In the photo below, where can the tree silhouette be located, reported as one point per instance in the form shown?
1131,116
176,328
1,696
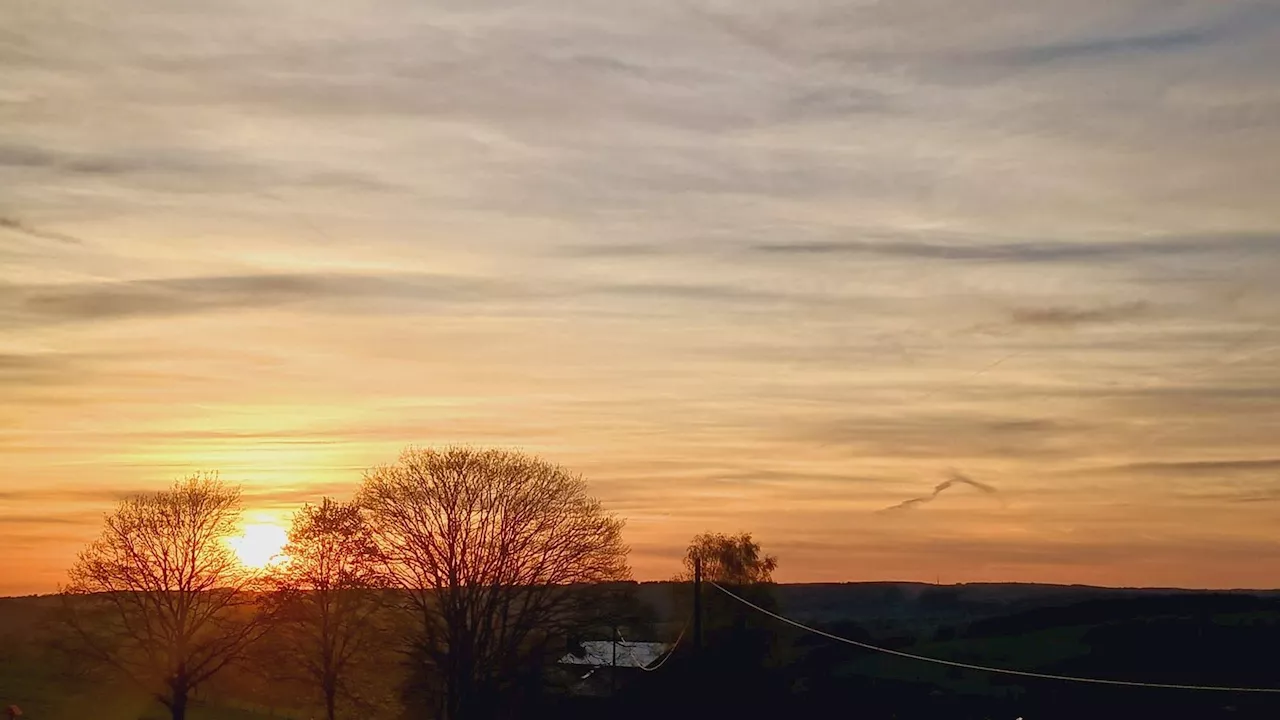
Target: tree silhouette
488,546
160,596
741,645
729,559
327,597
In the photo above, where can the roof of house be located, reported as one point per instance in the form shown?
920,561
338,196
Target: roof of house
599,653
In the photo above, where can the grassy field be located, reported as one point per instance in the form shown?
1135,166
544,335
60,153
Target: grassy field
35,677
1193,638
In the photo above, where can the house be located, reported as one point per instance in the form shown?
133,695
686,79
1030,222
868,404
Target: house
597,667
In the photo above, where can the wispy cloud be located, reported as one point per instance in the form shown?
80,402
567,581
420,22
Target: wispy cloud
1202,467
64,494
972,250
33,369
171,168
1072,316
18,226
96,301
1232,23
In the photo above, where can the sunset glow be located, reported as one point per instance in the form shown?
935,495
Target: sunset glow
260,545
921,290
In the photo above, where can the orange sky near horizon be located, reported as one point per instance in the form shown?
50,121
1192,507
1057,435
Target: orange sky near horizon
772,267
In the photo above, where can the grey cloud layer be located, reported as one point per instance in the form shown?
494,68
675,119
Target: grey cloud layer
529,74
180,296
1262,246
115,300
23,228
1070,316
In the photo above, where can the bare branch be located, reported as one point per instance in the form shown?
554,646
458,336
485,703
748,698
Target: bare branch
160,596
491,548
327,594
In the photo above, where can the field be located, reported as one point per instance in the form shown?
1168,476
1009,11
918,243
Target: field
48,686
1146,636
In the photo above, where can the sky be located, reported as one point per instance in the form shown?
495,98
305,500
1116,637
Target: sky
786,267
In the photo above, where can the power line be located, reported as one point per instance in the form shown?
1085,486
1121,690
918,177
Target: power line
670,652
984,668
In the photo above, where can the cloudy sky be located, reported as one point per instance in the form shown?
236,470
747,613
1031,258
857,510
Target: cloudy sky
774,266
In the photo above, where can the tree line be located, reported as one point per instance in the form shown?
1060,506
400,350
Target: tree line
471,568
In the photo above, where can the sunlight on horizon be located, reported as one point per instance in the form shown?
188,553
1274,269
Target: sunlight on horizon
260,545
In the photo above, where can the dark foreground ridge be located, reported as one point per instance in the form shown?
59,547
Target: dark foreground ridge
751,665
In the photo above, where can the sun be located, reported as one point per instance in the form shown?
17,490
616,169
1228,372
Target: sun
260,545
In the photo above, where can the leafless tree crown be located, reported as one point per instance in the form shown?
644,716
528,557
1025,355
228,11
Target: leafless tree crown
490,545
160,595
327,597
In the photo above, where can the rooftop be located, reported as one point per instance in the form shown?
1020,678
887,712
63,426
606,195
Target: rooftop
599,653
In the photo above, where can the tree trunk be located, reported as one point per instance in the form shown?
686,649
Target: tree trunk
453,695
178,705
330,702
458,685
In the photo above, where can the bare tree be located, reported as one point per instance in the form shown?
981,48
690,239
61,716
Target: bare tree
488,546
328,597
160,596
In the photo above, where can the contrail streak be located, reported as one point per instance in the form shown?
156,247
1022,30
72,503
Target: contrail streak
954,478
984,370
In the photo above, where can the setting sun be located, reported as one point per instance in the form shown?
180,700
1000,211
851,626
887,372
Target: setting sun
260,545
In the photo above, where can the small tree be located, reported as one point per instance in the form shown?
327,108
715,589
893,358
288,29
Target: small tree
488,546
740,642
730,559
160,596
327,597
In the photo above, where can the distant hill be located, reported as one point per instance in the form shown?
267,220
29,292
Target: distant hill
915,602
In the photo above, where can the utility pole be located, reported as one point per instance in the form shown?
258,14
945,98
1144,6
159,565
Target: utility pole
697,606
613,672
